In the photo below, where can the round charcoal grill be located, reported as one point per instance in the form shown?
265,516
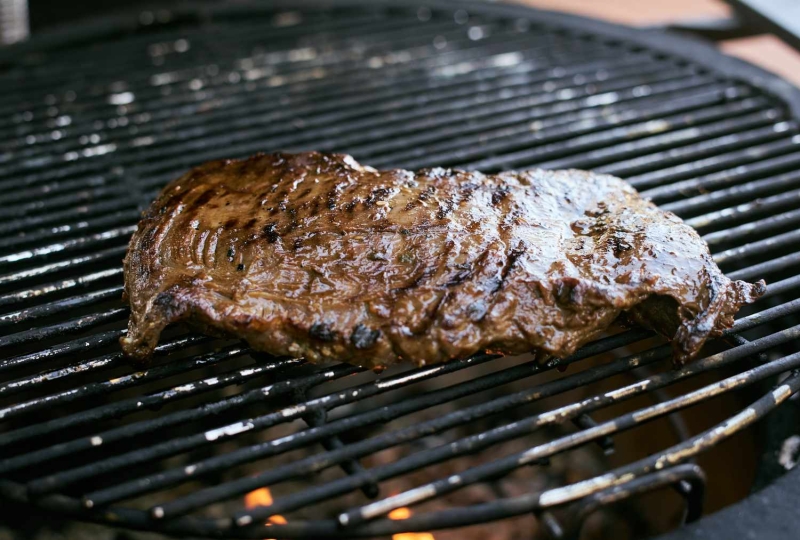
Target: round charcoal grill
96,120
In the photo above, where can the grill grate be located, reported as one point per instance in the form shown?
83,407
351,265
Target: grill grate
91,130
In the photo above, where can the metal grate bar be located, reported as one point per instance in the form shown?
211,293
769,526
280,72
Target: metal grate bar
131,405
71,199
708,139
69,245
754,228
95,341
732,215
640,164
63,66
125,381
505,465
555,497
240,143
374,38
220,434
775,265
334,428
243,485
59,266
229,98
487,56
101,363
60,217
78,282
569,118
697,168
782,287
142,79
732,194
59,306
757,248
70,230
543,156
70,326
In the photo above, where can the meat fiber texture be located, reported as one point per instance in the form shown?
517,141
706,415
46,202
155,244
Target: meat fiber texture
314,255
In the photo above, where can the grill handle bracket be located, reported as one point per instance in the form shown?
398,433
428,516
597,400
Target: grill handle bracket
687,479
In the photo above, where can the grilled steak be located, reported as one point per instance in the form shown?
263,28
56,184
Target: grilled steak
315,255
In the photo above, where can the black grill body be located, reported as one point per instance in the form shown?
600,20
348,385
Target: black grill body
96,120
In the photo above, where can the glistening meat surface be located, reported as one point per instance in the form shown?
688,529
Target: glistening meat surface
315,255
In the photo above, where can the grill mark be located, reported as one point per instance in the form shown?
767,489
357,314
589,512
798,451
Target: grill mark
419,280
203,199
511,260
478,310
446,207
426,194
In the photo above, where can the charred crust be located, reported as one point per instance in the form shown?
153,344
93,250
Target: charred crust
445,208
364,337
459,278
427,193
330,200
322,332
168,304
203,199
620,245
513,257
568,291
498,195
270,233
377,194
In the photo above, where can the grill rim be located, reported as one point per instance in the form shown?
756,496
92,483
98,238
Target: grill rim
689,48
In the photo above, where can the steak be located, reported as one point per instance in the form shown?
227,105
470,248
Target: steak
314,255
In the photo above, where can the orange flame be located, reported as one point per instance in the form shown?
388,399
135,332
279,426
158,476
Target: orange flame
263,497
405,513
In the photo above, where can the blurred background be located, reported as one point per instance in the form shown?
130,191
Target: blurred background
759,45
